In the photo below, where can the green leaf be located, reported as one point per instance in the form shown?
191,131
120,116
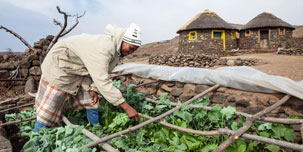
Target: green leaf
148,107
216,108
184,115
185,107
139,137
289,135
242,148
68,130
273,148
228,112
209,148
264,134
293,117
252,145
234,125
265,126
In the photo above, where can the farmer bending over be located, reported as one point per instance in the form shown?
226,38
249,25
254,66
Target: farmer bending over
77,67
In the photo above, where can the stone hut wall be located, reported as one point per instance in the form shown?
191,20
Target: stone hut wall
275,40
205,44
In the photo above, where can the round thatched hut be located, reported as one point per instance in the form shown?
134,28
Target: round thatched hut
266,31
207,33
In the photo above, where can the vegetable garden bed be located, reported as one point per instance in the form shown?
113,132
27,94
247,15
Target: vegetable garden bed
187,127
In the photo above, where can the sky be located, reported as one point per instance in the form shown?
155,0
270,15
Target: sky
158,19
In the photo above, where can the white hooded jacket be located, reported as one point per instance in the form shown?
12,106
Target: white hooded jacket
85,60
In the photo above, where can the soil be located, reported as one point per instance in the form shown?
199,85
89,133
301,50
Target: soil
280,65
271,63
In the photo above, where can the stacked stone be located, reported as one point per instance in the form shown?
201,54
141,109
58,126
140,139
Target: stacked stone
26,64
239,62
182,60
291,51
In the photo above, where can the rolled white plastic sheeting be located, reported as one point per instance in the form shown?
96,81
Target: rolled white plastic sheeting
238,77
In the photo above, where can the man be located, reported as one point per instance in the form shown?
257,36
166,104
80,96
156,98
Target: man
77,67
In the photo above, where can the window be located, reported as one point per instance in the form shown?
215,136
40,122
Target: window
233,34
247,33
281,31
192,35
217,35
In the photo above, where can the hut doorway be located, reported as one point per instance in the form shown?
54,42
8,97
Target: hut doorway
264,38
219,34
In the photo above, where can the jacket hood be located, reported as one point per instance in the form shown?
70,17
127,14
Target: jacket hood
116,34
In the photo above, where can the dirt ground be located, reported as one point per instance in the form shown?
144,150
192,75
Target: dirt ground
280,65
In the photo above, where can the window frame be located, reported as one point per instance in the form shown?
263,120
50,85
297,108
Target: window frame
233,34
247,34
283,32
190,35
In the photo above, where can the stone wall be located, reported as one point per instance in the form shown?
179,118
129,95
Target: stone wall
22,66
275,40
298,43
205,44
291,51
185,60
201,61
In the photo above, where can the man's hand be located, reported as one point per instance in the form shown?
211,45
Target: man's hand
94,96
130,111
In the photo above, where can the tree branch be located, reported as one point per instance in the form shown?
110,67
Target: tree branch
77,22
17,121
267,119
149,121
230,132
18,36
62,32
248,124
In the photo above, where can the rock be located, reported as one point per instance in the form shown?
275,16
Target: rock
238,62
4,74
262,101
35,70
170,84
230,99
166,88
253,110
230,62
176,92
222,61
221,89
7,66
179,85
50,37
24,63
189,88
218,98
243,103
201,88
35,63
186,96
30,86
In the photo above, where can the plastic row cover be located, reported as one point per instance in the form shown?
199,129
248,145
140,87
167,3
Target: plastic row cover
240,77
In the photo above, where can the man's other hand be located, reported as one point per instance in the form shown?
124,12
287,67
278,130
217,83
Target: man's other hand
94,96
130,111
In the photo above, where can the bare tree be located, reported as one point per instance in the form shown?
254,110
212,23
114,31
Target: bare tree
62,32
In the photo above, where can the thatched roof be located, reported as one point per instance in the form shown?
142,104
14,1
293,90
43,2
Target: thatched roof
266,20
206,20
